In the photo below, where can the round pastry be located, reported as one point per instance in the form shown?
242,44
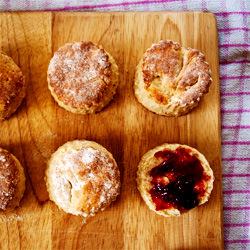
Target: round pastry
12,181
174,178
82,77
170,80
12,86
82,178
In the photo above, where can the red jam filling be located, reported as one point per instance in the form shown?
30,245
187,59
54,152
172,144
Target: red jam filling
178,181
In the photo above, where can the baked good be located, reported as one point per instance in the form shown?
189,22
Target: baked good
170,80
82,178
174,178
12,181
12,86
82,77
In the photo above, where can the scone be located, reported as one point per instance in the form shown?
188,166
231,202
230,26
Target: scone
170,80
82,77
174,178
12,86
12,181
82,178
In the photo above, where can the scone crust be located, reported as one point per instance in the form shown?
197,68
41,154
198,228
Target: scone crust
82,178
148,161
82,77
12,181
170,80
12,86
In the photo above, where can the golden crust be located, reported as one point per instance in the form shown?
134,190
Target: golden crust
149,161
82,178
82,77
12,86
12,181
170,80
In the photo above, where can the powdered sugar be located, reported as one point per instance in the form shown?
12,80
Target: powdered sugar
8,178
2,158
88,155
78,73
107,185
64,192
83,174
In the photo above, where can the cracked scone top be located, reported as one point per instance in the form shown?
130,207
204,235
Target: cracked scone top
170,80
82,77
12,86
82,178
12,181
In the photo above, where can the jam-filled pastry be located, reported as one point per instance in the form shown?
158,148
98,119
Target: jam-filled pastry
12,181
82,77
170,80
12,86
82,178
174,178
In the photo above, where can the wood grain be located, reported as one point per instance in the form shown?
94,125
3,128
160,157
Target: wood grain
125,128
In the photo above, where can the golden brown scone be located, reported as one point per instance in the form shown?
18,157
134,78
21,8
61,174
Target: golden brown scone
174,178
170,80
12,181
82,77
82,178
12,86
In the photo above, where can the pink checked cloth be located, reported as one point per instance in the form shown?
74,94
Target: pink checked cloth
233,18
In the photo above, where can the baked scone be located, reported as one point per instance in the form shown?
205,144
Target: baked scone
82,178
12,86
170,80
174,178
12,181
82,77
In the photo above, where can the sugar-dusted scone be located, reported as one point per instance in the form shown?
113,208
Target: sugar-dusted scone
12,86
82,178
173,179
12,181
170,80
82,77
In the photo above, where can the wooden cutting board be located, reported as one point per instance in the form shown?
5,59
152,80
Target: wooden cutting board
125,128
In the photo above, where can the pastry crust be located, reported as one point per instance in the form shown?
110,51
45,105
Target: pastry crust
149,161
170,80
12,181
82,77
82,178
12,86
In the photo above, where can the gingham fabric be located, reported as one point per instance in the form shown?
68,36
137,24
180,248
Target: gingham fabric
233,18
